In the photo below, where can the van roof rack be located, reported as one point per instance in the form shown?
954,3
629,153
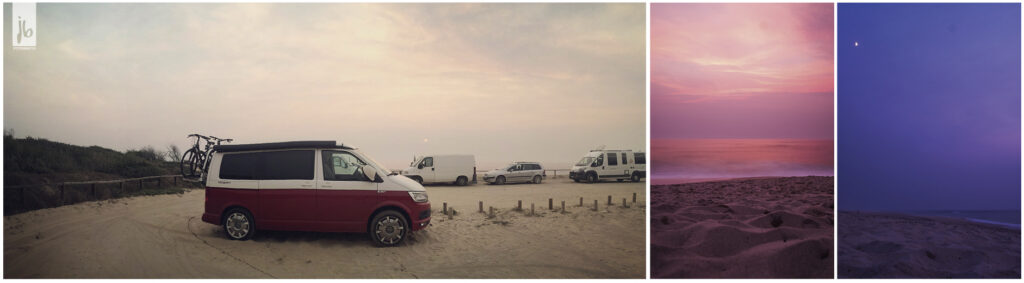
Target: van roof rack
278,145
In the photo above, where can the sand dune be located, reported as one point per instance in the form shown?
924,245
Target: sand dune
887,245
746,228
162,237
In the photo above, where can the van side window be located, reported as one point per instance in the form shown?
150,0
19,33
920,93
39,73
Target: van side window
238,166
612,160
639,158
288,165
624,160
428,162
342,166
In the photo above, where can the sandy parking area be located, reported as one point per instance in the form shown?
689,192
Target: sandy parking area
163,237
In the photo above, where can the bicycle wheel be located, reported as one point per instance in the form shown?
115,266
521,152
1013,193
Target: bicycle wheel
189,163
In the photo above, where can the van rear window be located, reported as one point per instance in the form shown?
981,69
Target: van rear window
238,166
639,158
288,165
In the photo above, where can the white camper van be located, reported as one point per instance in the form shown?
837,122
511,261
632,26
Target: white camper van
459,169
603,164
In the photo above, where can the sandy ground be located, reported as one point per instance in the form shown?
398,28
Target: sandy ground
163,237
743,228
886,245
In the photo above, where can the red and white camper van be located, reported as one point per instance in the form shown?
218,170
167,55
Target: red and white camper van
310,186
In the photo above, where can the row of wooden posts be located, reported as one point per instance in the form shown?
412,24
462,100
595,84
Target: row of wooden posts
519,206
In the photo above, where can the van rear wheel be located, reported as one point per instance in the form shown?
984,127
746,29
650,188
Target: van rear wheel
238,224
462,181
388,228
536,179
635,178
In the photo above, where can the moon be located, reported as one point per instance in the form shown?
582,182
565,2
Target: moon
426,140
855,44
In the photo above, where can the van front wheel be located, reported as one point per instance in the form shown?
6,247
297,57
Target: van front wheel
238,224
500,180
461,181
592,178
388,228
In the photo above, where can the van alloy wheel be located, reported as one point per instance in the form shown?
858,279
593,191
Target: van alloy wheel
390,230
237,225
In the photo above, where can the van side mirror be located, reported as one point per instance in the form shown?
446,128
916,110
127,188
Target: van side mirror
594,164
371,173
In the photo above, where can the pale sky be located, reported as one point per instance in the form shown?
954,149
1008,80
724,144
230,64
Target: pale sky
528,82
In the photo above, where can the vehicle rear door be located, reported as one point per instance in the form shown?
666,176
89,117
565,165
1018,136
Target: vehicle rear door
344,197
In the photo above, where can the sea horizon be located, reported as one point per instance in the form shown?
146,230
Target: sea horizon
690,160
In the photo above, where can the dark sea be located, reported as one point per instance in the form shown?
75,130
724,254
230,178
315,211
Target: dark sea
687,159
1008,218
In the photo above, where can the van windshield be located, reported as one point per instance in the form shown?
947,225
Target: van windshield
585,161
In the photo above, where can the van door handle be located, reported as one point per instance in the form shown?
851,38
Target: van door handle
306,186
223,182
431,169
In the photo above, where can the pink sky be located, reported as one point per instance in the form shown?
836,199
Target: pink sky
741,70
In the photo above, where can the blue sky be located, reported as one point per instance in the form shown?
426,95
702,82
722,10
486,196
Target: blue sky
929,106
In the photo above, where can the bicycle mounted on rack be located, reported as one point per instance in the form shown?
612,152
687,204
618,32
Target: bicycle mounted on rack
195,161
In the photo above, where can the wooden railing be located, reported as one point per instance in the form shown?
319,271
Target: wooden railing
22,198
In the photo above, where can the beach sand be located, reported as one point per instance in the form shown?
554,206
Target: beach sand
744,228
163,237
889,245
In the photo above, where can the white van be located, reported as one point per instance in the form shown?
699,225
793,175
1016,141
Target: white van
459,169
603,164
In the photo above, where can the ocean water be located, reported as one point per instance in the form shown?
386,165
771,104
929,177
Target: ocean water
1008,218
683,159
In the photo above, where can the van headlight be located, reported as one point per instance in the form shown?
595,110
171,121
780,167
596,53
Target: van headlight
418,196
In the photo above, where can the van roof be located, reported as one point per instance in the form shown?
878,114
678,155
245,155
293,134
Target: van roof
278,145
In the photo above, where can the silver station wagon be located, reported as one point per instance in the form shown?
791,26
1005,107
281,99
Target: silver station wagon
518,172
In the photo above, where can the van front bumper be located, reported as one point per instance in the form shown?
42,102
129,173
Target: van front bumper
420,215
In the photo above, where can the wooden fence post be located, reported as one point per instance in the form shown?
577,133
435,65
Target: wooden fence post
140,186
624,203
531,209
93,189
595,205
121,188
491,208
444,208
61,186
481,207
175,181
609,200
563,206
159,182
550,205
519,205
634,197
581,201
